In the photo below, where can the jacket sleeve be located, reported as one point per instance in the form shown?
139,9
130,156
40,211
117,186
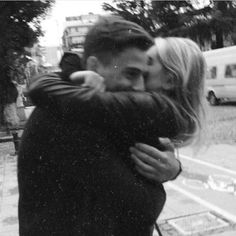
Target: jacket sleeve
135,112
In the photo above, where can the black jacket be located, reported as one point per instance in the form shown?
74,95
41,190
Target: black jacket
74,171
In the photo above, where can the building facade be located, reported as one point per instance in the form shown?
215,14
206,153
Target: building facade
76,28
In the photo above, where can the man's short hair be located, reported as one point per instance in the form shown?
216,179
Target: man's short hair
70,62
112,34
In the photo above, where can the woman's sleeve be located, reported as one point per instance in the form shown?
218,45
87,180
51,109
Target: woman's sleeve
134,112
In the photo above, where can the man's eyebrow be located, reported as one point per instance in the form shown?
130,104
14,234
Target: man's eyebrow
138,71
133,69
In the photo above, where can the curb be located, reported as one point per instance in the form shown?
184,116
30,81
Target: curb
6,139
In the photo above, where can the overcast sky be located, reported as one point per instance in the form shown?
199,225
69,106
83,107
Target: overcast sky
54,23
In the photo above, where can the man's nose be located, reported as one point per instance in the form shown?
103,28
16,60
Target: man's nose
139,84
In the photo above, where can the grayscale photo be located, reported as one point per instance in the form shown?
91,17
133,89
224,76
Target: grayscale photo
118,118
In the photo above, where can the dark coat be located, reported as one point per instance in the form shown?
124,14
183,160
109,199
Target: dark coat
74,171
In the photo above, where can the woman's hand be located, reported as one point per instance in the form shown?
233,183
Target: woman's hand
88,79
154,164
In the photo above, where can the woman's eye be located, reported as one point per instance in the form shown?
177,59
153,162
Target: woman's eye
150,61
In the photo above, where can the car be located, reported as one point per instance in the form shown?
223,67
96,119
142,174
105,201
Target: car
221,75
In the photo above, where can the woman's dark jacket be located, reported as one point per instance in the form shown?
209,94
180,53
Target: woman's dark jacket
74,170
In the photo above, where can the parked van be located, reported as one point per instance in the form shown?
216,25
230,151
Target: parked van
221,76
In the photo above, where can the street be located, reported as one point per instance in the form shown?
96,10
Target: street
207,184
202,200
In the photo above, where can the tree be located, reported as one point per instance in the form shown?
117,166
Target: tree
136,11
20,28
202,23
223,21
157,17
183,19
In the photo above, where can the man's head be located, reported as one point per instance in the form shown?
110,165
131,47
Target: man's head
70,62
115,48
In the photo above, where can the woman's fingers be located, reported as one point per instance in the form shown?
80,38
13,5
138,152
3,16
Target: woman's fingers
144,166
167,144
153,153
155,164
148,175
144,156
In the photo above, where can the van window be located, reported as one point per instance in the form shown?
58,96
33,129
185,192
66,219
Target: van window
230,71
212,72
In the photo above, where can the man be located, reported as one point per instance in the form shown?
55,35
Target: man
62,163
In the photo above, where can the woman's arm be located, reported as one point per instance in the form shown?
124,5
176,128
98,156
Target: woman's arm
138,113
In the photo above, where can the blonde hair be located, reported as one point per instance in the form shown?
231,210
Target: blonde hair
185,66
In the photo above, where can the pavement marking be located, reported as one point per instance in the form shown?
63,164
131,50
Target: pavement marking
211,206
208,164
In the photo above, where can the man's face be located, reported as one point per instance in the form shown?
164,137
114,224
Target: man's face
126,71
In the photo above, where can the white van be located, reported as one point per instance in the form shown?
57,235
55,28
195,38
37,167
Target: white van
221,76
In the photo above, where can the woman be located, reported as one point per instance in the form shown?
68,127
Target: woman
171,107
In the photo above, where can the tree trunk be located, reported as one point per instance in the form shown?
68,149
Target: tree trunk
8,97
11,117
2,123
219,39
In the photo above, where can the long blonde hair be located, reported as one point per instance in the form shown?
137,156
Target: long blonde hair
185,65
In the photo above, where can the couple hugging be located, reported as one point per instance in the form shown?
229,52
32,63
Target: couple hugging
91,161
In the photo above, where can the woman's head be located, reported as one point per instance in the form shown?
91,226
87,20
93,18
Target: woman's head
177,66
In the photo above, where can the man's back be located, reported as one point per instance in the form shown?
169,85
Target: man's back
52,176
73,181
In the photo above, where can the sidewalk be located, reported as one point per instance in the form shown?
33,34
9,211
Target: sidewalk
181,215
184,216
8,191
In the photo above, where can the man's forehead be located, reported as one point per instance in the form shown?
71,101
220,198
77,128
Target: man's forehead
132,58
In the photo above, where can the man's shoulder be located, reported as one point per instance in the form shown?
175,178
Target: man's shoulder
39,119
44,120
46,75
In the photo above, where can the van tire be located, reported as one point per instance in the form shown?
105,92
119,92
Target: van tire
213,100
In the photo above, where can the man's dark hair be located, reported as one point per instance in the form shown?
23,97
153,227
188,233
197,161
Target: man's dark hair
110,35
70,62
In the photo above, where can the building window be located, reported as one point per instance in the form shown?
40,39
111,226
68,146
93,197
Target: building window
72,29
83,30
230,71
77,40
212,72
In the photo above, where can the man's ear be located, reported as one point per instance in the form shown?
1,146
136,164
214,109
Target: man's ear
92,63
